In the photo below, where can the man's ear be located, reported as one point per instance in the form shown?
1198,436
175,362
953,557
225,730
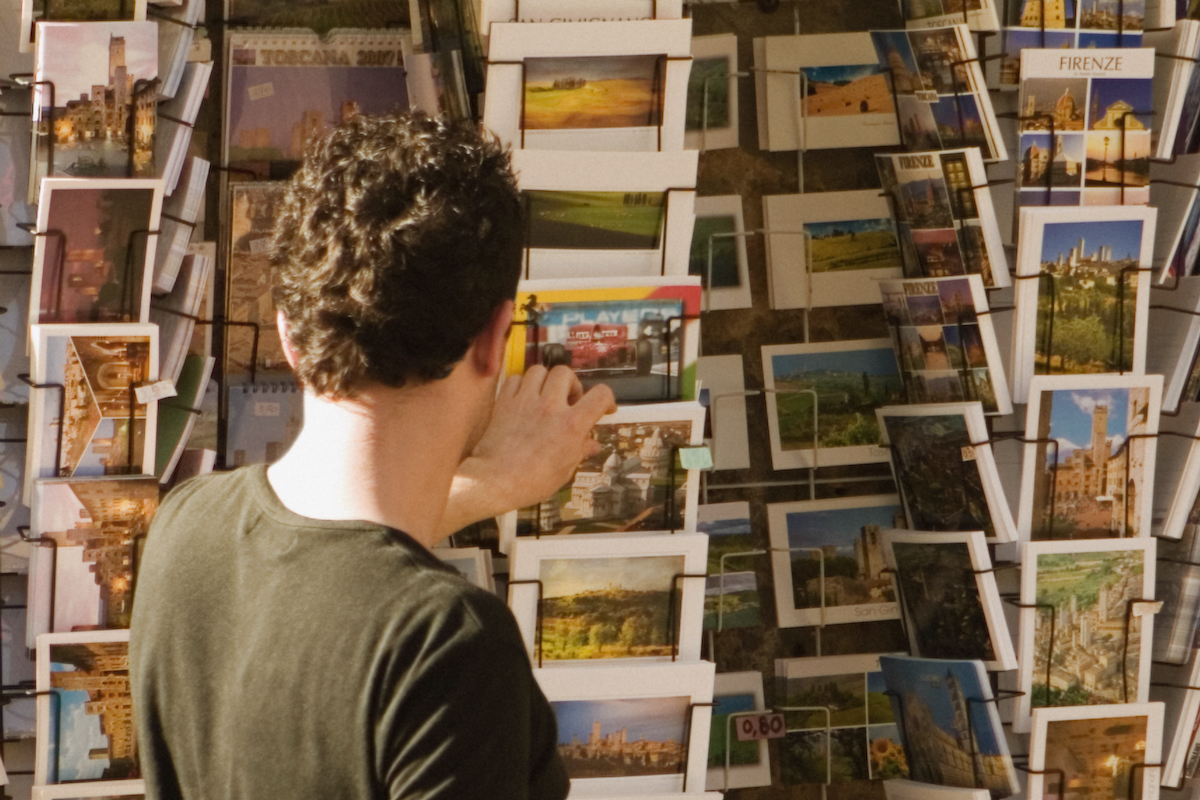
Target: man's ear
281,325
487,351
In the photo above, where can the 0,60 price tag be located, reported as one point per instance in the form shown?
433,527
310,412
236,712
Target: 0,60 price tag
764,726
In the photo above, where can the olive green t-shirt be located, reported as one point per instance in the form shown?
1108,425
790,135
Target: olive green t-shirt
276,656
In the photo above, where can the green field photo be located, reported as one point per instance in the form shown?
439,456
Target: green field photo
711,75
595,220
853,244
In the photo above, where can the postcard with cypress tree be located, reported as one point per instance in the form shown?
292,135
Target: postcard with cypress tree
945,343
948,596
827,560
733,763
1086,624
943,464
1097,747
731,596
1083,292
821,401
950,728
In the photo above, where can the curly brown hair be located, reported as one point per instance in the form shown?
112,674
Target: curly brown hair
398,238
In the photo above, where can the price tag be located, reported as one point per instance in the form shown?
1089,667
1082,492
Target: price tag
265,409
260,246
764,726
695,458
154,391
1145,608
968,453
261,91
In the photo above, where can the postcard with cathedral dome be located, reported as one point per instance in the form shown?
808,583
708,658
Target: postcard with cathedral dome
1085,121
950,728
1099,749
635,484
600,600
1090,457
1086,624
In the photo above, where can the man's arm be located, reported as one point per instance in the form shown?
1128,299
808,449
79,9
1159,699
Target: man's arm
541,428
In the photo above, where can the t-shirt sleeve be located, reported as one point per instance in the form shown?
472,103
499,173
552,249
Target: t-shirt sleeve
467,720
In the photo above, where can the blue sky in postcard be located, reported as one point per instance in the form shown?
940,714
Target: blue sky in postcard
838,527
656,719
1071,417
1123,235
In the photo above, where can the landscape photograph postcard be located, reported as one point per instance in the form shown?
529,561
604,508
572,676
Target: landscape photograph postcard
951,736
571,220
830,554
622,738
593,92
94,267
105,87
710,120
1096,752
844,90
320,17
731,597
1092,466
853,244
733,763
823,399
250,275
714,242
723,741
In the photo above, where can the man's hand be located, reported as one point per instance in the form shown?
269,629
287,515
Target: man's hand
540,430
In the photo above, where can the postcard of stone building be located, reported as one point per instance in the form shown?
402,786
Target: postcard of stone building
632,730
601,599
133,789
84,707
1090,456
978,15
944,214
641,337
828,248
1086,624
712,99
945,343
827,560
731,593
733,763
950,728
1181,707
1085,120
88,420
821,92
636,483
941,100
904,789
718,253
473,563
93,261
34,12
948,595
593,215
1096,750
83,567
284,87
821,401
95,116
845,729
249,276
722,382
1083,305
611,86
264,419
943,463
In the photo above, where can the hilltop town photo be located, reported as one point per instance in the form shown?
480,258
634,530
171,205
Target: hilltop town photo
621,738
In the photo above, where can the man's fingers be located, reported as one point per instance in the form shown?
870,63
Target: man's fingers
595,404
562,382
532,381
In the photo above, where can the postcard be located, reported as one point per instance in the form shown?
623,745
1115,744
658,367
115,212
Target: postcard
175,331
949,597
20,714
1097,749
852,736
177,417
945,217
1082,607
253,207
629,730
178,223
596,215
1089,464
286,14
635,483
639,337
604,599
951,732
943,464
830,554
1083,287
94,424
264,419
14,178
902,789
821,92
34,12
93,262
96,523
828,248
732,763
102,790
711,122
731,595
282,87
722,381
821,401
1176,85
575,10
473,563
1085,127
1178,586
718,254
176,35
589,85
14,334
978,15
175,128
941,99
14,512
945,343
1181,707
100,112
1177,234
95,740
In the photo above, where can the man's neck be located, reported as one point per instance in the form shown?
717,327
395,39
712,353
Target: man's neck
388,456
